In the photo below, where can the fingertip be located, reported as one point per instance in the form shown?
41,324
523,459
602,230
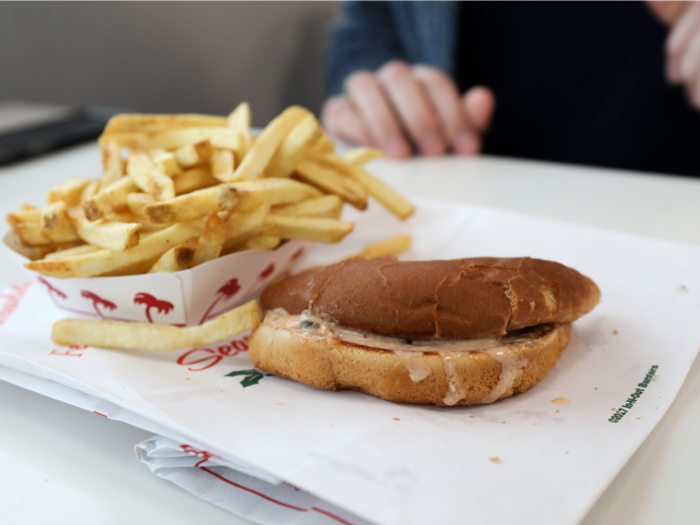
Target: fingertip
396,147
466,143
480,103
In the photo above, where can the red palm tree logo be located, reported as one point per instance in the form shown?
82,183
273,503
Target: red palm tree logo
227,291
297,254
267,271
97,301
152,302
52,290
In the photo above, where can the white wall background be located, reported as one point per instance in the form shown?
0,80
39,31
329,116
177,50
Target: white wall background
166,57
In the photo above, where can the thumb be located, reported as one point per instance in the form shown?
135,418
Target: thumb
667,12
479,102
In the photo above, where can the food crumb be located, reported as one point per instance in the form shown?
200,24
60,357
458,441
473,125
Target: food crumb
596,388
495,459
534,424
188,378
279,403
222,391
566,452
612,409
682,288
653,378
396,419
471,416
639,418
557,411
502,421
615,331
561,401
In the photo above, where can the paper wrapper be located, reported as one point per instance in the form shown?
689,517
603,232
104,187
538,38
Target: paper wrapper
189,297
524,459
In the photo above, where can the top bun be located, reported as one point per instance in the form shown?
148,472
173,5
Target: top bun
458,299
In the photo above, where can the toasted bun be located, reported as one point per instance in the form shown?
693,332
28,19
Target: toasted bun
463,379
458,299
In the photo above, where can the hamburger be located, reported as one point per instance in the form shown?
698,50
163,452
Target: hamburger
455,332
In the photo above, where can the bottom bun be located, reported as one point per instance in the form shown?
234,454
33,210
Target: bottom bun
443,379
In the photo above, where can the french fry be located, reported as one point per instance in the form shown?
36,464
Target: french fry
258,242
137,201
132,218
181,257
165,161
56,224
32,253
32,234
222,164
110,235
113,164
387,196
89,192
113,197
193,180
307,229
275,192
294,147
239,120
256,160
17,217
211,241
72,252
193,205
220,137
323,145
391,246
151,124
147,336
360,156
192,155
328,206
27,207
241,226
69,191
149,178
107,262
331,182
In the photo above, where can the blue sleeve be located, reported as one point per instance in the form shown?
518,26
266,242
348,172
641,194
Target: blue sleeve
364,37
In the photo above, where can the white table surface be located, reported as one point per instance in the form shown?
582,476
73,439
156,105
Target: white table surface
60,464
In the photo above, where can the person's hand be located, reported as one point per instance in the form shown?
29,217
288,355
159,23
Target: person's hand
401,107
682,45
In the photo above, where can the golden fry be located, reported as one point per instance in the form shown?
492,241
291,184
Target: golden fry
181,257
151,124
193,205
239,120
103,262
192,155
328,206
69,191
56,224
148,336
137,201
222,164
165,161
211,241
307,229
275,192
387,196
72,252
360,156
294,147
113,197
331,181
113,164
193,180
17,217
387,247
110,235
150,179
241,226
256,160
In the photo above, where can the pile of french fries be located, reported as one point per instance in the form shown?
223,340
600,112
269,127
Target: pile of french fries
177,191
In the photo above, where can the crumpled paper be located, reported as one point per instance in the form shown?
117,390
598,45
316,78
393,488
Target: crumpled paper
544,456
